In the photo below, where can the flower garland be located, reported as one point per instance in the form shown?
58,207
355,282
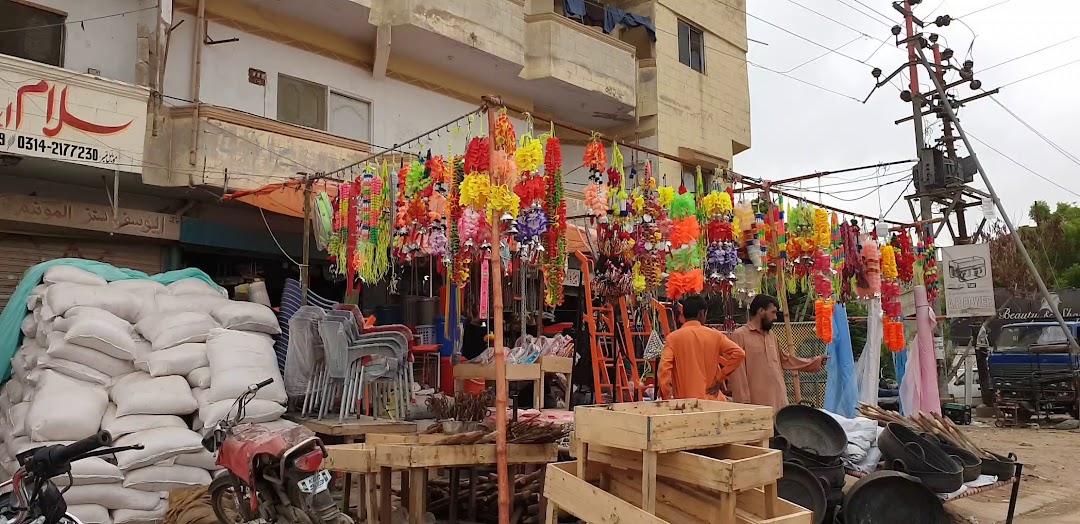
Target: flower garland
338,248
893,325
721,252
852,269
372,250
437,243
928,256
505,139
650,248
871,260
685,275
554,256
615,265
905,256
802,244
474,196
596,193
823,316
459,270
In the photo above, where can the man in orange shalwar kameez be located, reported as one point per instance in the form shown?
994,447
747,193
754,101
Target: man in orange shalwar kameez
696,359
760,380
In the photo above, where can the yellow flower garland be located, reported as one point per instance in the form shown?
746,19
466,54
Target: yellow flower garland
475,189
822,231
888,262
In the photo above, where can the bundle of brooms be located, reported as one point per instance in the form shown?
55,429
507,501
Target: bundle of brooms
932,423
520,432
526,492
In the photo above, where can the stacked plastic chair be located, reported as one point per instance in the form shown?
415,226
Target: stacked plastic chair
290,304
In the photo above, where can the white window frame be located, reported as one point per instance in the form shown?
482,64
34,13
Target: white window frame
327,92
691,28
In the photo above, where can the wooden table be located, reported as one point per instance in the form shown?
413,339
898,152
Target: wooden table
350,430
534,373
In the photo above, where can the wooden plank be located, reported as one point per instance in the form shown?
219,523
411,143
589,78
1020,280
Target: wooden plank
385,503
352,458
709,469
354,427
567,492
421,456
418,496
557,364
402,438
672,425
487,372
648,482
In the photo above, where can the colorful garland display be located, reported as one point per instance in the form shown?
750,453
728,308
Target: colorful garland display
615,238
685,275
554,256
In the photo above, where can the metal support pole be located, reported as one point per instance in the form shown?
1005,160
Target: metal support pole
305,273
1073,347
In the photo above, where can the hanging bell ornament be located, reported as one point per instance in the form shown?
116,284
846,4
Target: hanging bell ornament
506,217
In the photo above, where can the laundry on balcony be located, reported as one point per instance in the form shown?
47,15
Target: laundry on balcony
614,16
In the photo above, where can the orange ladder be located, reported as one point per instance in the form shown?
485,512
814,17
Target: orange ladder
603,346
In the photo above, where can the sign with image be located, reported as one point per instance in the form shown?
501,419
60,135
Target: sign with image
49,112
969,281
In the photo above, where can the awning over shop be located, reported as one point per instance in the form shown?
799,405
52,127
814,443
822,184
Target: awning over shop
576,240
285,198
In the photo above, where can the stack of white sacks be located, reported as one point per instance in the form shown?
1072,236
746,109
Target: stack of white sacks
150,364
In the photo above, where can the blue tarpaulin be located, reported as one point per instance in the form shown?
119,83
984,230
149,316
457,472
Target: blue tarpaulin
841,389
15,310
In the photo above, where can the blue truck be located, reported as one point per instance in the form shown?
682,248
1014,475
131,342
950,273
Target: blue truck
1031,365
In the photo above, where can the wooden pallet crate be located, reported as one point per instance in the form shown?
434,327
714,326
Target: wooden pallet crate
356,459
676,502
730,468
652,428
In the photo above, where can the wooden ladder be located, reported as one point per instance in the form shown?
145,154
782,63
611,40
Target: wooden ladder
607,359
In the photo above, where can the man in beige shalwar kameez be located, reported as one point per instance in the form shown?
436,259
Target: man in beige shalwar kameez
760,378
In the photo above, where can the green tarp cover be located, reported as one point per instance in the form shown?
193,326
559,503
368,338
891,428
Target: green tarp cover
15,310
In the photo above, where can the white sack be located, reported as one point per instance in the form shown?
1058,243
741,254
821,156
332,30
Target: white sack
166,478
65,409
139,286
16,393
17,418
134,516
90,513
177,360
256,411
83,312
127,424
139,394
247,316
165,330
195,286
173,304
57,274
80,372
29,326
33,300
201,459
238,360
17,445
158,444
107,338
59,298
92,470
200,377
113,367
112,496
26,358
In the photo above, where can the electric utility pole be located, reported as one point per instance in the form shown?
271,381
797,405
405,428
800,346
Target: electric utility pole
942,176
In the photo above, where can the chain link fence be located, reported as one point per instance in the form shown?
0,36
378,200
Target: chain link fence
807,345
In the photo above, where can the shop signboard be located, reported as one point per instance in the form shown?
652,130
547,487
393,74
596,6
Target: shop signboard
57,114
90,217
969,281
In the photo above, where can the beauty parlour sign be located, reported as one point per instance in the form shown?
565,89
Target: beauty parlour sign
57,114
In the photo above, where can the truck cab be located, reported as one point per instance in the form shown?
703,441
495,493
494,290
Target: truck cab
1031,365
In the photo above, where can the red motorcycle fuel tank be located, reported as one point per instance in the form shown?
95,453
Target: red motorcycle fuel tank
248,441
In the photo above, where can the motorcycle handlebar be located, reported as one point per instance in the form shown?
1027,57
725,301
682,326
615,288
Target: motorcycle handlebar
264,383
57,456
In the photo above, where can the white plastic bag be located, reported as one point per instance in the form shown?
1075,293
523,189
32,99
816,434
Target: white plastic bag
102,336
247,316
57,274
200,377
166,478
158,444
256,411
65,409
165,330
113,367
238,360
140,394
194,286
128,424
113,496
177,360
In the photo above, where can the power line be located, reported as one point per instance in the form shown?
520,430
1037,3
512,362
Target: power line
983,9
1067,40
888,22
70,22
833,20
792,33
1031,128
823,55
1024,167
898,197
1029,77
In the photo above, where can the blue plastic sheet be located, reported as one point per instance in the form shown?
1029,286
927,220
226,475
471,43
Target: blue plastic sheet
15,310
899,359
841,388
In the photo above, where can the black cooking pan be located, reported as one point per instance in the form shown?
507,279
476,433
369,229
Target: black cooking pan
890,497
810,432
800,486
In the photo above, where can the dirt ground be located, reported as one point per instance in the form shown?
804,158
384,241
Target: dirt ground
1050,481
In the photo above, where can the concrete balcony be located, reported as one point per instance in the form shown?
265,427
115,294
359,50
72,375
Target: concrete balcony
237,150
646,88
50,116
490,26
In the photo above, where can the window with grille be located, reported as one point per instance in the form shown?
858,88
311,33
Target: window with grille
691,46
31,32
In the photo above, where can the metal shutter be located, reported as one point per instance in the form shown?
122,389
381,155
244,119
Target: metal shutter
19,252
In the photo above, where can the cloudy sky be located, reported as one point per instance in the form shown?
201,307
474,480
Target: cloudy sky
798,128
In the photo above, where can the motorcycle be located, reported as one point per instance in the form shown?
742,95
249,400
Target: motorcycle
34,498
273,476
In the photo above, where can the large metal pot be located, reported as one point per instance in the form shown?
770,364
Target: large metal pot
809,432
911,453
1001,467
889,497
800,486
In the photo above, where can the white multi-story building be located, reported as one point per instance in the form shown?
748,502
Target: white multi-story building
122,122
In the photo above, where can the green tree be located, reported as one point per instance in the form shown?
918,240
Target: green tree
1053,243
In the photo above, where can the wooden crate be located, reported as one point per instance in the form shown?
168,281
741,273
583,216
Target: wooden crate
514,373
676,503
557,364
407,456
672,425
356,459
730,468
